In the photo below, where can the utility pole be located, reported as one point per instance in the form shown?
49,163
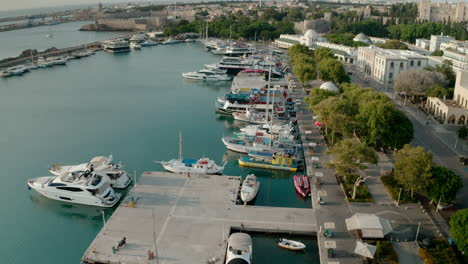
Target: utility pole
399,195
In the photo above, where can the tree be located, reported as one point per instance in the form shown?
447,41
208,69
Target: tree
459,229
413,167
402,132
416,82
318,95
447,70
437,53
393,44
323,53
299,49
334,112
444,185
349,155
332,70
437,91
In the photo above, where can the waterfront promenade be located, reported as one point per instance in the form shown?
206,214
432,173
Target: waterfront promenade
187,220
336,209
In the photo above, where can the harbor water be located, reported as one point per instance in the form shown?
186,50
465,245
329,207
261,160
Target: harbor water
44,37
132,106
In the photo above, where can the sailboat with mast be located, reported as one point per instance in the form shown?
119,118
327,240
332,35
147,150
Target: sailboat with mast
200,166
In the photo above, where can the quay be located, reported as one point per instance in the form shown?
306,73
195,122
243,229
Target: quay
187,219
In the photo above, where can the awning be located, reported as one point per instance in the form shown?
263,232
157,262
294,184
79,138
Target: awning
370,225
365,249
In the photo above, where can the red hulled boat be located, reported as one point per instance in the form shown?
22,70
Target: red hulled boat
302,185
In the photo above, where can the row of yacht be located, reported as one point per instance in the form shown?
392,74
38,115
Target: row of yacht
136,42
229,48
43,62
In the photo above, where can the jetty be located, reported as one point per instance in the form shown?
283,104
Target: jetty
187,219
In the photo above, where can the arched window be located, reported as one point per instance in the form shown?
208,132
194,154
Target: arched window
411,63
391,64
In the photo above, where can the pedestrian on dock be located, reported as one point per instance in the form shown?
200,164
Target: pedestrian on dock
122,243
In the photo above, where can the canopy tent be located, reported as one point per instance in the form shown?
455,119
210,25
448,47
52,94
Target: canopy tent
370,225
365,249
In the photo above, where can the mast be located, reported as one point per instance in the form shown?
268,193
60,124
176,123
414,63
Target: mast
268,92
180,145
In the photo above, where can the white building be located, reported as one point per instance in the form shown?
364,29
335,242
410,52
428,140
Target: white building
423,43
308,39
383,65
456,52
437,40
454,112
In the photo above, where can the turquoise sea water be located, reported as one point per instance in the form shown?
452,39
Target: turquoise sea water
130,105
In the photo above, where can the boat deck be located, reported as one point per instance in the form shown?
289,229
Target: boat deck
187,220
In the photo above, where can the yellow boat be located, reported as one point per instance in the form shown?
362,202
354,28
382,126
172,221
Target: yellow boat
277,163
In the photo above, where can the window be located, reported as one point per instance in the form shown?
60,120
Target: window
401,65
70,189
412,63
419,63
390,75
391,64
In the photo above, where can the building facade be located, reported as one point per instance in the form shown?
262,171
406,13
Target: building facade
436,12
384,65
452,112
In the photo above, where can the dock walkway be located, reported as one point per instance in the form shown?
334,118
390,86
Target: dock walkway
187,220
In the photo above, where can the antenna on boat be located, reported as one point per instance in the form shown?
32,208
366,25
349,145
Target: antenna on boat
180,145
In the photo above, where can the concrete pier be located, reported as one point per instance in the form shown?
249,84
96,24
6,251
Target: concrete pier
187,220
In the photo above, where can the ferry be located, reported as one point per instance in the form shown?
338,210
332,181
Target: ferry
116,46
277,163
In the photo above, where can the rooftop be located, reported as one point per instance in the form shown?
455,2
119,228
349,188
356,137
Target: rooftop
288,40
394,53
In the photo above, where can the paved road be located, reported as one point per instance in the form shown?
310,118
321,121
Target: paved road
433,137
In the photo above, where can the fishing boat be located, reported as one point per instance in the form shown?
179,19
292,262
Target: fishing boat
181,165
112,172
250,188
239,249
80,188
172,41
201,166
276,163
302,185
291,244
250,116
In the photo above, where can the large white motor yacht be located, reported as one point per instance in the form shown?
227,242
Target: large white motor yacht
239,250
208,75
80,188
101,165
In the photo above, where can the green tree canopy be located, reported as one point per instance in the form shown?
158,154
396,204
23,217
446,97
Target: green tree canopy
413,167
459,229
437,91
444,185
349,155
323,53
317,95
393,44
332,70
416,82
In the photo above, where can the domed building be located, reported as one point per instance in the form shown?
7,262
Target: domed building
329,86
310,37
362,38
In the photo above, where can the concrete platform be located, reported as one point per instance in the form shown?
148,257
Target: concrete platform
187,220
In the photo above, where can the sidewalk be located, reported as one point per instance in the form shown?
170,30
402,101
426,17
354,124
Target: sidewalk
407,253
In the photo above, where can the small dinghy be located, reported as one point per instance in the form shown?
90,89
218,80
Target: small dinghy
250,188
291,244
302,185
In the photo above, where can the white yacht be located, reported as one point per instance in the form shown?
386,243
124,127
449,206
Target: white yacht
44,62
101,165
239,250
58,61
135,45
80,188
208,75
148,43
250,188
18,70
171,41
138,38
5,73
201,166
116,46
